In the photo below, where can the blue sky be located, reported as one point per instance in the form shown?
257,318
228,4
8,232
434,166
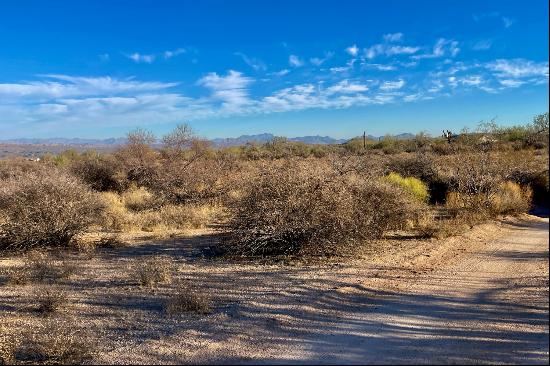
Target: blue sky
97,69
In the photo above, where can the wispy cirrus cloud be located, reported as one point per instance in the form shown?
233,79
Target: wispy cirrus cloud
254,63
318,61
517,68
507,22
482,45
231,89
169,54
295,61
443,47
63,86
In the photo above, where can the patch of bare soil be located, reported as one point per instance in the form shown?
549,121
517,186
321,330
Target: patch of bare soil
478,298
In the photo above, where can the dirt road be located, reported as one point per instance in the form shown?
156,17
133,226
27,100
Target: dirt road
487,303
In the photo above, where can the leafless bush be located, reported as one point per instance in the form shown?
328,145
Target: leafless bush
137,159
154,271
313,209
46,209
188,300
101,173
195,179
54,342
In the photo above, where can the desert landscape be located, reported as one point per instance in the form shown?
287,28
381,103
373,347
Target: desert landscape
274,182
428,250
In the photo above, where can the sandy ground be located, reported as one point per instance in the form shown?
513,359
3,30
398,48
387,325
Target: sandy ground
478,298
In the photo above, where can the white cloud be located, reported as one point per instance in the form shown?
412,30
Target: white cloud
295,61
317,61
517,68
104,57
473,80
64,86
352,50
346,87
380,67
255,63
511,83
230,89
339,69
442,47
392,85
412,97
176,52
282,72
482,45
389,50
393,37
401,50
508,22
140,58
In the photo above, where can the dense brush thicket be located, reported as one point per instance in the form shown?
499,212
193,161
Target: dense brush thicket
280,197
300,206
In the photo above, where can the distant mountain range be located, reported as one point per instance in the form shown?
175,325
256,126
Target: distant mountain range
266,137
219,142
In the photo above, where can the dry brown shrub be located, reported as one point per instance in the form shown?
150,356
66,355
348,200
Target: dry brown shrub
101,173
44,210
188,300
15,167
137,159
195,179
54,342
153,271
313,207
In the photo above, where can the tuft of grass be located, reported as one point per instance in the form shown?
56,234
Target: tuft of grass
413,185
40,267
118,215
51,301
153,271
187,300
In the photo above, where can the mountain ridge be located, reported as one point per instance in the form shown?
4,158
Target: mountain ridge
218,142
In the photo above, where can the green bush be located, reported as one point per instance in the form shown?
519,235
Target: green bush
413,185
